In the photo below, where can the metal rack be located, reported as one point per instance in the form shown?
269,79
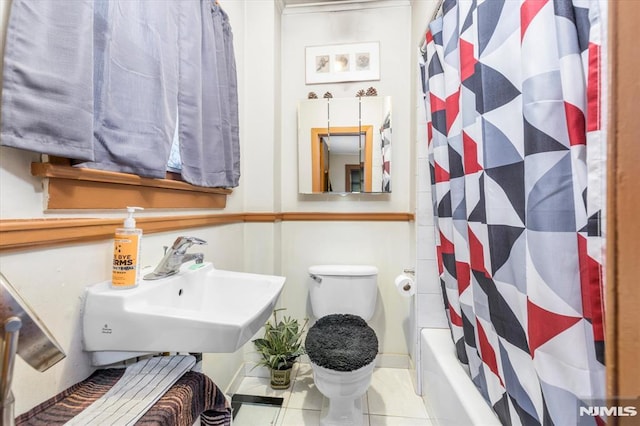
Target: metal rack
24,334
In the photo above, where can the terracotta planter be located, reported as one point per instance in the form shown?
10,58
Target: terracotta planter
280,379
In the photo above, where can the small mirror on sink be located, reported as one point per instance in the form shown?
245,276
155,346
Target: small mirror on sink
344,145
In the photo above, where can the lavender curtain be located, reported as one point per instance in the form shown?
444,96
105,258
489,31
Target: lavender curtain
516,152
104,82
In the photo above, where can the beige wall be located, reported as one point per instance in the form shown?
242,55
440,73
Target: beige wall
387,245
388,22
52,280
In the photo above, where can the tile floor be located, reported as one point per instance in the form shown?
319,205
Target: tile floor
390,400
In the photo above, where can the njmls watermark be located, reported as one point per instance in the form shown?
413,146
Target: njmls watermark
606,411
626,407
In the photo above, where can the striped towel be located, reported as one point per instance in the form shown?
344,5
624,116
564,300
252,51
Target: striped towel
193,396
141,385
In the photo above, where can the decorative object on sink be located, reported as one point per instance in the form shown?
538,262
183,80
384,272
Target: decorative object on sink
280,348
126,253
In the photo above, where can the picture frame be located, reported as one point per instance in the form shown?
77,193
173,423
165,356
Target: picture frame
342,63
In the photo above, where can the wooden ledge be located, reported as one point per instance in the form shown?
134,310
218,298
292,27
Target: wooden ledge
39,233
80,188
358,216
16,234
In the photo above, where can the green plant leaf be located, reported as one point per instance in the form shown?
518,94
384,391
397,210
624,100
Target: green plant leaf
281,344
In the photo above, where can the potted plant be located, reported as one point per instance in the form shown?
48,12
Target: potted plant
280,348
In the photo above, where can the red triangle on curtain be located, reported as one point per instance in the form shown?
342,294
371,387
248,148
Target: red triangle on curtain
528,10
594,105
591,286
453,109
487,353
441,174
476,252
436,103
467,60
455,318
575,124
544,325
463,274
445,245
470,154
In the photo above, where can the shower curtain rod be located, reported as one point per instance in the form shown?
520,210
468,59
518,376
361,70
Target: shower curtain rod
437,10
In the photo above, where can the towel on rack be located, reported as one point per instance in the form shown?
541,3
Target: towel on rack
141,385
193,395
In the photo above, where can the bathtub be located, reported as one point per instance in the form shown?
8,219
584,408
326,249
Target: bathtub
449,394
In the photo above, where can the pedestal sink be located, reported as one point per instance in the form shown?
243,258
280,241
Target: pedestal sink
199,309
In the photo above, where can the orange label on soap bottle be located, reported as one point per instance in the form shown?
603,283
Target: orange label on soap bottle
125,260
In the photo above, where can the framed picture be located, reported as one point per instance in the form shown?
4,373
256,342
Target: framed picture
343,62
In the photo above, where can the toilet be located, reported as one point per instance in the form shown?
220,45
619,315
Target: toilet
341,346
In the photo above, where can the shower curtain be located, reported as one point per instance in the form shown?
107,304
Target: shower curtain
512,91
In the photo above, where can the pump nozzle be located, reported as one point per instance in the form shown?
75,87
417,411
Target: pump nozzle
130,221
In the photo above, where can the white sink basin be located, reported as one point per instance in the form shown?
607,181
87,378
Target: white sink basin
200,309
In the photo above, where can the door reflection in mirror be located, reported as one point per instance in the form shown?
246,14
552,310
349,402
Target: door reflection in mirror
336,153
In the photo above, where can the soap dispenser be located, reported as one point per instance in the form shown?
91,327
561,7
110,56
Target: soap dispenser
126,253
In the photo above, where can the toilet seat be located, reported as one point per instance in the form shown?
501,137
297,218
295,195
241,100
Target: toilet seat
341,342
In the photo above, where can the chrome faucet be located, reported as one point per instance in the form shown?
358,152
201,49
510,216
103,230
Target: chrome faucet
175,256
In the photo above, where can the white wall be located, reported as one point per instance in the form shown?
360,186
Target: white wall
52,280
429,293
270,61
387,245
388,22
428,305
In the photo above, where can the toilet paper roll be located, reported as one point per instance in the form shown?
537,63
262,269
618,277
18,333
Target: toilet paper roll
405,285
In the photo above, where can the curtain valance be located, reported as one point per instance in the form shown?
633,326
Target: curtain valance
109,83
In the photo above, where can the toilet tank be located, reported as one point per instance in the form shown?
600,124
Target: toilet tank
343,289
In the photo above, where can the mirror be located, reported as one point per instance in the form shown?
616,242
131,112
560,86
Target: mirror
344,145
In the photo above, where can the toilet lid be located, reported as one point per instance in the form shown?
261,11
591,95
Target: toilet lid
341,342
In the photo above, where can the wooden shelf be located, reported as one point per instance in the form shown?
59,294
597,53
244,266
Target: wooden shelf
70,188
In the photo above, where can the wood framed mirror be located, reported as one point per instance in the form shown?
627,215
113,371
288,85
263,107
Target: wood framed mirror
344,145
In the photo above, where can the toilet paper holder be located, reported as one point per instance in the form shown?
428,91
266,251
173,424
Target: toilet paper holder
405,284
411,271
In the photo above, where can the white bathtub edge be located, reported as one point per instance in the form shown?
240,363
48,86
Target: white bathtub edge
449,394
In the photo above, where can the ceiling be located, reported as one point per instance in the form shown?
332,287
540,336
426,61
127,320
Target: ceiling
288,2
308,2
343,144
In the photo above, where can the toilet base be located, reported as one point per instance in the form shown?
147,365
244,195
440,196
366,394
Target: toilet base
343,412
344,391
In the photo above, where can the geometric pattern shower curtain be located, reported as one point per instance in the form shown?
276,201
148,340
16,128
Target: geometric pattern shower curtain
512,93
